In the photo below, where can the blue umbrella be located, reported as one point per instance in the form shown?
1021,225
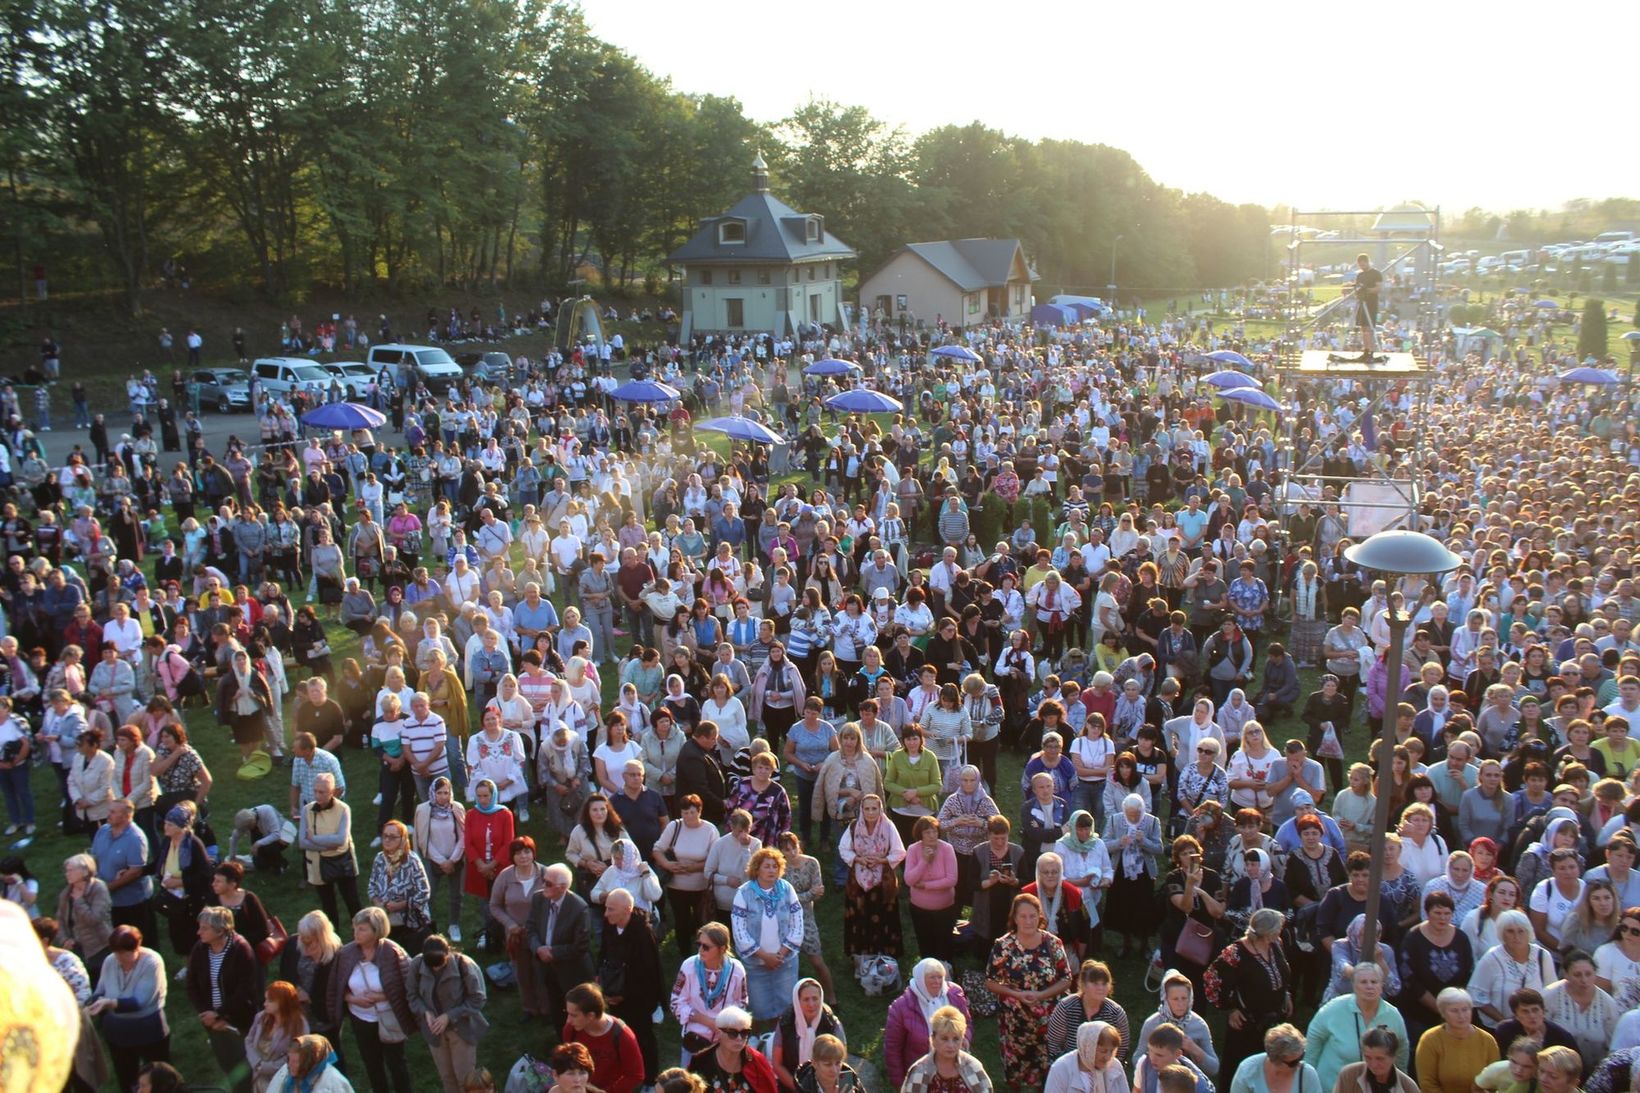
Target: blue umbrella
1229,378
344,415
1545,303
1229,356
863,400
646,391
1250,396
1584,374
957,352
831,366
741,428
1632,336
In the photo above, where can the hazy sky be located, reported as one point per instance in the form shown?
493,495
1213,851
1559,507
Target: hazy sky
1337,105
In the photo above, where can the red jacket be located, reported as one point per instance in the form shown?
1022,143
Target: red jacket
617,1062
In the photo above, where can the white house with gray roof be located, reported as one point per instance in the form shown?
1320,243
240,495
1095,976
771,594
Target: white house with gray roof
761,267
963,281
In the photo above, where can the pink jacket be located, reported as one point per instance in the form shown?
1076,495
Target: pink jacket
905,1040
939,876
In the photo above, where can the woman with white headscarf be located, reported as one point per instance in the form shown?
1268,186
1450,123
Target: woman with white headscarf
807,1020
628,870
906,1039
1093,1066
1132,838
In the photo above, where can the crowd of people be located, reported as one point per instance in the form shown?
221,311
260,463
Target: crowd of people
619,688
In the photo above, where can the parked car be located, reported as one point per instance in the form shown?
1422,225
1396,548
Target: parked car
356,377
279,376
227,389
429,364
492,367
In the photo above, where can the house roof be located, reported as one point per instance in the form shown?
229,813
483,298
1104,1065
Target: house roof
775,232
973,264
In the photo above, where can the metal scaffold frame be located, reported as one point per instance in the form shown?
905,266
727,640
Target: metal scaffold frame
1417,245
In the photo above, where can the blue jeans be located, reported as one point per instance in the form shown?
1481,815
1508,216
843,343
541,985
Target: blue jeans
458,763
19,794
1089,797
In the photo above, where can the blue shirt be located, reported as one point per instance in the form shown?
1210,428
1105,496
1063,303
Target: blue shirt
542,616
1192,526
116,853
812,747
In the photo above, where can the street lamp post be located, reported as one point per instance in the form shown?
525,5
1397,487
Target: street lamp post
1393,553
1110,286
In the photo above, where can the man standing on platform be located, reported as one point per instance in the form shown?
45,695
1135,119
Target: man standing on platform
1368,282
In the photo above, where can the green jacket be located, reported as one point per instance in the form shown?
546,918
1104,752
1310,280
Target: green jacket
901,775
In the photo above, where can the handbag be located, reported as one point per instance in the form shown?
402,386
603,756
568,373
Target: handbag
339,867
387,1024
1196,943
269,948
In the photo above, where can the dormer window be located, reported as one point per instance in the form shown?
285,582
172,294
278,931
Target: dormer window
813,229
732,233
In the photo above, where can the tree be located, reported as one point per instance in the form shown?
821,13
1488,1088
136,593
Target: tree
1591,334
103,66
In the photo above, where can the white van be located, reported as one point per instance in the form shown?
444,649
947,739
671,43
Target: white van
279,376
407,363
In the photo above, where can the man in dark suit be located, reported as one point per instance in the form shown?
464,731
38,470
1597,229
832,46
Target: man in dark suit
561,937
630,973
700,773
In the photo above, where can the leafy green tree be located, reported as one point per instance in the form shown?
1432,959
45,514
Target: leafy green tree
1591,334
102,67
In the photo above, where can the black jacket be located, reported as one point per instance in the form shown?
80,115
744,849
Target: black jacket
635,951
700,773
240,980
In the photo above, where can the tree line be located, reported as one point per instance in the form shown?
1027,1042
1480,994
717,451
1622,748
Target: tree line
287,143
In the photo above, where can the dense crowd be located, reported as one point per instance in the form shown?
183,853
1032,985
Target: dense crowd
619,685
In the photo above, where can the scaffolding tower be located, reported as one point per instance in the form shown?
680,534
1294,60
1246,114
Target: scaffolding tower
1406,242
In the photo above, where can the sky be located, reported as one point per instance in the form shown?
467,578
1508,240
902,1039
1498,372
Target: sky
1320,106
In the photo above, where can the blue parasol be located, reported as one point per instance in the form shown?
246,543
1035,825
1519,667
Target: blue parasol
646,391
1229,378
831,366
863,400
1229,356
344,415
1599,377
1546,303
741,428
1250,396
957,352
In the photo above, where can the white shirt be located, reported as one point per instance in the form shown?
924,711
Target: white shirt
1547,899
126,637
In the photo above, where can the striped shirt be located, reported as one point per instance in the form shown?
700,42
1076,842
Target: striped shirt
420,738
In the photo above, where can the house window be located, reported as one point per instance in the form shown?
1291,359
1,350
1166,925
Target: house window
705,276
811,273
731,232
734,310
973,304
734,277
763,277
813,230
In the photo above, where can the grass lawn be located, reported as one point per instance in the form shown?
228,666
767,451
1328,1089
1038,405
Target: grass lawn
510,1034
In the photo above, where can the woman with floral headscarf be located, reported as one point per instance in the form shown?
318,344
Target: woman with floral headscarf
310,1067
399,886
871,847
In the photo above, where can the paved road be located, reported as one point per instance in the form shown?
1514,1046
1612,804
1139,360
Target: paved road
218,427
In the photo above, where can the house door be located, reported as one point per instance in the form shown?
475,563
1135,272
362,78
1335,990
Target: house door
996,300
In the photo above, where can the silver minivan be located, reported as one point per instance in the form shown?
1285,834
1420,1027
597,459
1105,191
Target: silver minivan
279,376
408,363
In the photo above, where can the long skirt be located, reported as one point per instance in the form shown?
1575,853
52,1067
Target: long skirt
871,921
1131,906
770,990
1306,638
249,729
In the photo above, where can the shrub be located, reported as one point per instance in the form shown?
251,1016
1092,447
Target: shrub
1591,336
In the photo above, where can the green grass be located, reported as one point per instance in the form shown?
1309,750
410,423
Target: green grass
511,1034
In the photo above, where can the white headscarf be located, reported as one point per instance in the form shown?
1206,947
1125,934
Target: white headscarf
929,1002
805,1031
